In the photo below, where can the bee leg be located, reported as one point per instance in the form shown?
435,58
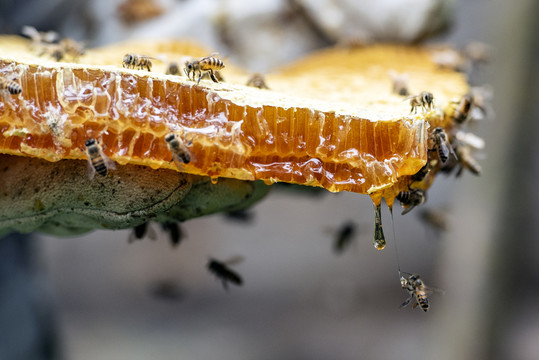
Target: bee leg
199,76
406,302
212,76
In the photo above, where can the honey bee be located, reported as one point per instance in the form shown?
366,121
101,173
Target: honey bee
9,87
132,61
67,47
344,237
244,215
463,109
478,52
434,218
257,80
175,232
173,69
140,231
400,83
424,99
97,160
442,145
379,240
207,64
410,199
180,152
450,59
415,287
467,161
221,270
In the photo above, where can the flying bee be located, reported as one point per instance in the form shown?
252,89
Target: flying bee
437,219
67,47
415,287
207,64
463,109
222,271
344,237
410,199
478,52
9,87
39,38
132,61
257,80
399,83
180,153
442,145
451,60
424,99
97,160
140,231
173,69
175,232
467,161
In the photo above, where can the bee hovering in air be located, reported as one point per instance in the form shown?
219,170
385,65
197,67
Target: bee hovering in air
173,69
208,64
9,87
434,218
257,80
463,109
415,287
442,145
175,232
466,160
424,99
140,231
97,160
410,199
400,83
132,61
222,271
180,153
345,236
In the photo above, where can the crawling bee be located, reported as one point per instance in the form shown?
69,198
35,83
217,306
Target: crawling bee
97,160
180,152
442,145
173,69
224,273
257,80
207,64
410,199
132,61
9,87
415,287
400,83
463,109
467,161
424,99
67,47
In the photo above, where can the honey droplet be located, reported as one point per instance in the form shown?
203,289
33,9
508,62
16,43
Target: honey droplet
214,179
379,240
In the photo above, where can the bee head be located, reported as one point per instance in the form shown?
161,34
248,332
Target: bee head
189,65
170,137
89,142
427,97
128,58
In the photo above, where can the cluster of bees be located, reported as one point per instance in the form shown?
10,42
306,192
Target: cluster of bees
447,151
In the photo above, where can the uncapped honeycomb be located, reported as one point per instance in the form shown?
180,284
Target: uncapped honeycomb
329,120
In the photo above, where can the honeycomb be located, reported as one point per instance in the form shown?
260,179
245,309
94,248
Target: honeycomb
329,120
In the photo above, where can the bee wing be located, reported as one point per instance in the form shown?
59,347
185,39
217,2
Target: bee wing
90,171
111,165
180,165
233,260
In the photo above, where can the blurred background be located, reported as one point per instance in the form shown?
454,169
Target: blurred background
98,297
